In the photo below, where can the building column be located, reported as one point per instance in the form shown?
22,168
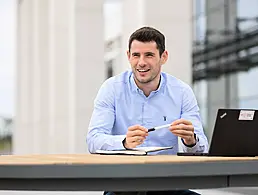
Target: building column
59,70
221,92
89,67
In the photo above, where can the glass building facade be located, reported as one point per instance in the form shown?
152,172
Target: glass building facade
216,22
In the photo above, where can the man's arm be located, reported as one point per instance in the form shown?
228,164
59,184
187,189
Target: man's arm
102,121
190,111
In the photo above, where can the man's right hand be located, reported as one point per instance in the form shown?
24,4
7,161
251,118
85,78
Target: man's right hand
135,136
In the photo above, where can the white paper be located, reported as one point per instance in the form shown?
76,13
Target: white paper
120,152
152,148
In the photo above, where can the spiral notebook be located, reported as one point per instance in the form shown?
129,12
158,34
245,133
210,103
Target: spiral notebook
135,151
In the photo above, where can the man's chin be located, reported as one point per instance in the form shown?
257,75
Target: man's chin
143,81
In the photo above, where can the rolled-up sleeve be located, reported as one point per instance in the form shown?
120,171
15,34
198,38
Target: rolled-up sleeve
102,120
190,111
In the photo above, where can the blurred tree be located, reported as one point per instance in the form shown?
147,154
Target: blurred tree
6,134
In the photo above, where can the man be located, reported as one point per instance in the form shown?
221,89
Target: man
144,97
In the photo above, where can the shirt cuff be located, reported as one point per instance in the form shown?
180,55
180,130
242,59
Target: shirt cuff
191,148
192,145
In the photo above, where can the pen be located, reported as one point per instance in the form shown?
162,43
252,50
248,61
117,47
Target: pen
159,127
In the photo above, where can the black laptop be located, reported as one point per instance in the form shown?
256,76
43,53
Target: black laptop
235,134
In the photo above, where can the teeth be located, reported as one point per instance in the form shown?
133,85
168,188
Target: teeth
142,70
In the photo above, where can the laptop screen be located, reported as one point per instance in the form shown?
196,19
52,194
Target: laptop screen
235,133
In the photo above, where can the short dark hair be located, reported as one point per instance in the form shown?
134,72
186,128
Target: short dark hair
148,34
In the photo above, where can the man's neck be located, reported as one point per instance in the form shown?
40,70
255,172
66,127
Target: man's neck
147,88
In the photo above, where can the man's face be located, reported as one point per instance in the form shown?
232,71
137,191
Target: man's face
145,61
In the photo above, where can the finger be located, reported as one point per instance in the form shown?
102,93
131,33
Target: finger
138,127
134,144
184,137
137,139
137,133
134,127
181,121
181,133
142,128
181,127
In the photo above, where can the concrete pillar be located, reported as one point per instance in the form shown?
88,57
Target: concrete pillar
222,92
89,67
23,130
59,70
174,20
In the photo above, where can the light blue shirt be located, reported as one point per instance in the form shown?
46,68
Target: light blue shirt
120,104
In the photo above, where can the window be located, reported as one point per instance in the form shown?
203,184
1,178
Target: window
247,87
247,12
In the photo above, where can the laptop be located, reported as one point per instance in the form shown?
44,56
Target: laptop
235,134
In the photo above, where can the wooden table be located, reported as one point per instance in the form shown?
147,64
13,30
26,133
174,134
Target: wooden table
86,172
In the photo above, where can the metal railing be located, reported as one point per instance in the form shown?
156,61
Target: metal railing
214,60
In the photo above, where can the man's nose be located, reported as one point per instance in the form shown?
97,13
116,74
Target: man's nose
141,61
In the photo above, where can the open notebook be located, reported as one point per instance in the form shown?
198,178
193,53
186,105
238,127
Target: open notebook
134,151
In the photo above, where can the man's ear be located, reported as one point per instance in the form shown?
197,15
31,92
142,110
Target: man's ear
128,54
164,57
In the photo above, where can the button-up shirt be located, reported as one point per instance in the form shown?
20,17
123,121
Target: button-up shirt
120,104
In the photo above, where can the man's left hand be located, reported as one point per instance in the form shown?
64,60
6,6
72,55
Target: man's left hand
184,129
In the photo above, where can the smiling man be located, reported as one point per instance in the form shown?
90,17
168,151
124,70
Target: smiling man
145,97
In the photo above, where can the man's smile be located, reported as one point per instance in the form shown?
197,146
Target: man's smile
143,70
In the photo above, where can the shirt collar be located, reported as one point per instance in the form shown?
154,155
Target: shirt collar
135,88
